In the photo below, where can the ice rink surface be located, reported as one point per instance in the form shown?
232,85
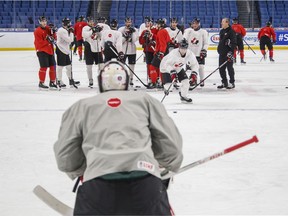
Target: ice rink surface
250,181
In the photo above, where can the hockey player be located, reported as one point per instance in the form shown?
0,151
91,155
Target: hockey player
111,40
174,63
129,39
118,140
92,52
175,34
240,34
43,41
65,37
225,49
101,21
265,35
197,38
162,41
78,27
144,24
148,41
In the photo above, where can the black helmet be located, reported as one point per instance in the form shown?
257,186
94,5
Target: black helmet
128,19
195,20
114,23
183,43
66,21
42,18
101,20
173,19
148,19
268,23
90,18
81,18
160,22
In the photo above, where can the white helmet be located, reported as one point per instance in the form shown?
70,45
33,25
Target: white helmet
113,76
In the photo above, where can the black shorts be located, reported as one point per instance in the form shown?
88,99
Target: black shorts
143,196
264,40
62,58
91,57
45,60
131,59
80,42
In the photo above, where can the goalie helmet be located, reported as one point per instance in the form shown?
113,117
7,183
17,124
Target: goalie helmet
113,76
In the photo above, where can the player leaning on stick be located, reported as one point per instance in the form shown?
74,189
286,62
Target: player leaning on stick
65,37
44,40
118,140
197,38
92,37
174,63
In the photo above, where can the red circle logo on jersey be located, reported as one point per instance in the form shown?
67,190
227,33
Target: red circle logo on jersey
109,35
114,102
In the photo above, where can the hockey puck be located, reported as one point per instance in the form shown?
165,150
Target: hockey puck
138,86
175,111
214,83
135,89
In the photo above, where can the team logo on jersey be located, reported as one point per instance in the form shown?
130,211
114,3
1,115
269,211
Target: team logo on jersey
146,166
178,65
109,35
114,102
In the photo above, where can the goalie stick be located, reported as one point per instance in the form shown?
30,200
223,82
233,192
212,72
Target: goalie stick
65,210
52,201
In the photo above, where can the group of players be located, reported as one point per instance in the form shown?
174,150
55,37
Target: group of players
173,55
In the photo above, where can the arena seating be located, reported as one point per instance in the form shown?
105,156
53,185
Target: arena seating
275,11
25,14
210,12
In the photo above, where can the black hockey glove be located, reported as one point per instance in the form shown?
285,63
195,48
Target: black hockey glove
173,72
50,39
160,55
70,30
131,29
146,34
53,29
128,36
230,56
121,56
203,53
96,29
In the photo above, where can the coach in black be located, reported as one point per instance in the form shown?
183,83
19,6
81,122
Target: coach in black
225,49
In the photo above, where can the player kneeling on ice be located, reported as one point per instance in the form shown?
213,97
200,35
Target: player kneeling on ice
174,63
116,141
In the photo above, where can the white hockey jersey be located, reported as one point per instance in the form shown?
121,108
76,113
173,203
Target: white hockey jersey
114,36
64,39
175,34
104,26
174,61
129,47
93,41
197,40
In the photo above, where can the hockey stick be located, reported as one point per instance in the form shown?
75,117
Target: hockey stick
73,83
264,55
168,89
209,75
52,202
116,53
139,57
249,46
211,157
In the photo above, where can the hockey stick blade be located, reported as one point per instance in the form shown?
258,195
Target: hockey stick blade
254,139
52,201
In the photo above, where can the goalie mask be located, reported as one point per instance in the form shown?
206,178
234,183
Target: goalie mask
113,76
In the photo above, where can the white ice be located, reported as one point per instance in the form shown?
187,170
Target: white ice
250,181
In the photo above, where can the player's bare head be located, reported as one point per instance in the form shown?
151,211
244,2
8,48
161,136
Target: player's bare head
225,22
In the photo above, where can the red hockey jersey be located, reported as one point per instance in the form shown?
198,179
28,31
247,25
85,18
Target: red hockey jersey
78,30
40,40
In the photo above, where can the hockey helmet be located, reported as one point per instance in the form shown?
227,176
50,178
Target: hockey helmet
195,20
148,19
235,20
81,18
174,19
183,44
90,18
268,23
114,23
66,22
128,19
160,22
101,19
42,18
113,76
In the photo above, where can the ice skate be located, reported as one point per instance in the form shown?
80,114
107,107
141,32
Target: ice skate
53,86
185,99
42,86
